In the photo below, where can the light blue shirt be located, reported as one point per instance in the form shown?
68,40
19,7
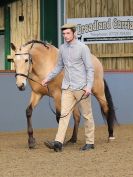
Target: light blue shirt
75,59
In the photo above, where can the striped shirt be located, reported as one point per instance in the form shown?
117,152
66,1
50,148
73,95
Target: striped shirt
75,59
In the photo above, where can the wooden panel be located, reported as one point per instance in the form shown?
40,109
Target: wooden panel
87,8
80,6
131,7
1,18
70,9
93,8
115,56
126,5
29,29
104,8
109,8
120,7
23,31
98,8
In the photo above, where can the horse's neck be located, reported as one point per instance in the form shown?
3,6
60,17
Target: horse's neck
43,63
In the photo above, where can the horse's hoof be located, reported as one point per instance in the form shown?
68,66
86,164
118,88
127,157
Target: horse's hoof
111,138
32,143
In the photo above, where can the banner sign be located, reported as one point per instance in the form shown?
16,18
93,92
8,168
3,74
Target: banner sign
104,29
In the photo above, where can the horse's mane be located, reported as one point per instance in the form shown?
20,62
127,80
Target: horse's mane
45,43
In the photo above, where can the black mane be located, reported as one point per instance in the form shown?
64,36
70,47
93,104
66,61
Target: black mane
36,41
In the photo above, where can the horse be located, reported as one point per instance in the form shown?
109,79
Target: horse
33,61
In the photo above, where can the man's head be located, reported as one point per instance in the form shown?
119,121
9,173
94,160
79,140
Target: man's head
69,32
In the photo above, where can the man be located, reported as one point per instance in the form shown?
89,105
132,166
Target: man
75,59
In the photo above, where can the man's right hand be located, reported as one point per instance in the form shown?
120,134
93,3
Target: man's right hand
44,82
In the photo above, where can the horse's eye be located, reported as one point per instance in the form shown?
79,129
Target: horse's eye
26,60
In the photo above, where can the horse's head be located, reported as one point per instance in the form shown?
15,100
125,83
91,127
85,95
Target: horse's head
22,63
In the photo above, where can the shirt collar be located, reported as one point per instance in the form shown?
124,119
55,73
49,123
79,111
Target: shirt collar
71,44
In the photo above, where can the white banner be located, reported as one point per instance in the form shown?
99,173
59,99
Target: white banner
104,29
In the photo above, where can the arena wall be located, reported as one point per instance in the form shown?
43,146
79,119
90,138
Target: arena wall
13,103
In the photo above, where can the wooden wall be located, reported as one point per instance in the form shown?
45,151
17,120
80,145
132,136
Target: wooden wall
1,18
113,56
23,31
28,29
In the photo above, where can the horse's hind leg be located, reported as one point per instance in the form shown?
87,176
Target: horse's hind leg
33,102
111,115
105,112
104,98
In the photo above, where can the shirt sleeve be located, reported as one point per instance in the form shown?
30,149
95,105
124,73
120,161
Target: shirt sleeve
87,59
58,68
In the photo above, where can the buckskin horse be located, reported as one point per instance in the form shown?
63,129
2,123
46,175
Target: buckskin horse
33,61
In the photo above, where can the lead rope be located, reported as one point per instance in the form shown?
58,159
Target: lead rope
82,97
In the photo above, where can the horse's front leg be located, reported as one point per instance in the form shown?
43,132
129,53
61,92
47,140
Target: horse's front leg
57,102
35,98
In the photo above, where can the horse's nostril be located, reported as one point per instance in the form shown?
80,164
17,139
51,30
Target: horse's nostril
22,87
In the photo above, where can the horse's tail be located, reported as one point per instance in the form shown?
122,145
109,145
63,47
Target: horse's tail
110,115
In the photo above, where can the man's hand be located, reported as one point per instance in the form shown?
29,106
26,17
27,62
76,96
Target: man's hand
87,91
44,82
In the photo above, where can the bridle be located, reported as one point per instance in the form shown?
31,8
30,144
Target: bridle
30,62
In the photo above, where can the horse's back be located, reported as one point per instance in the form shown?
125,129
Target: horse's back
98,86
98,68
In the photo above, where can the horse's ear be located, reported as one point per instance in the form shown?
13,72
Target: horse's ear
9,58
13,47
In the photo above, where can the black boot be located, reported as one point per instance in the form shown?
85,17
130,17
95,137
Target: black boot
87,147
56,145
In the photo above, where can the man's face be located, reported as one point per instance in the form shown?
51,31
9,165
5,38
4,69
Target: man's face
68,35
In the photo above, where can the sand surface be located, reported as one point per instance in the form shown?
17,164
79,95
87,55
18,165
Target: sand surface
114,159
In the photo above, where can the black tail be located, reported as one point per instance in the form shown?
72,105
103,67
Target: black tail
111,115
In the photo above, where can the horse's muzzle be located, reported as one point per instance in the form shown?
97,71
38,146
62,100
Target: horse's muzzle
22,87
